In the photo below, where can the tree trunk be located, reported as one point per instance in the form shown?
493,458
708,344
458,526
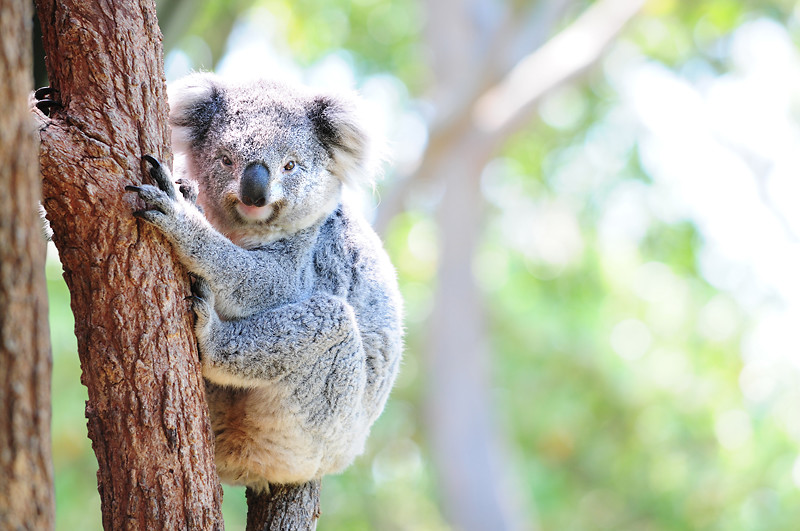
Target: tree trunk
26,491
147,416
284,508
458,402
480,107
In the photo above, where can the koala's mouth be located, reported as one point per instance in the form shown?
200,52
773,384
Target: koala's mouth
254,212
265,214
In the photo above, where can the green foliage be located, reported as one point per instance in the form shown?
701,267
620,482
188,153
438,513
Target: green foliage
386,35
620,397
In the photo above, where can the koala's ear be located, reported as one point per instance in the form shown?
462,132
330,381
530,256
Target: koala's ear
193,102
341,129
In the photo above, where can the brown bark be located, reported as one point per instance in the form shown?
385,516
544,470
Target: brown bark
146,412
26,492
284,508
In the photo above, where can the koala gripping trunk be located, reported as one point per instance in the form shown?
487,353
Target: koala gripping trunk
146,412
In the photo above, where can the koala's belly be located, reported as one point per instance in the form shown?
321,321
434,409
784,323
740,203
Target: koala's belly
259,438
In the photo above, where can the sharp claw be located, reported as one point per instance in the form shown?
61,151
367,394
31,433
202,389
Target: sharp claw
141,214
151,160
42,92
158,174
193,298
46,104
131,188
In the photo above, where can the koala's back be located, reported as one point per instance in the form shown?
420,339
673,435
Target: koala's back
257,430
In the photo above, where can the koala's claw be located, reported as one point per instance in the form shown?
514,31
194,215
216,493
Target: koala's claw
158,207
201,289
146,215
43,102
160,175
46,105
41,92
202,308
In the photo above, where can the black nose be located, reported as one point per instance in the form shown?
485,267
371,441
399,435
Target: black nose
254,185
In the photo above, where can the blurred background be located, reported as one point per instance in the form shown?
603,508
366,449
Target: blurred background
593,211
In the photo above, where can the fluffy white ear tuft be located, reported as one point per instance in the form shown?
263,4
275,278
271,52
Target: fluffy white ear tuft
343,130
193,102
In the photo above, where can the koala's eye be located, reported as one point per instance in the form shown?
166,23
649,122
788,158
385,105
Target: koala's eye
226,160
289,166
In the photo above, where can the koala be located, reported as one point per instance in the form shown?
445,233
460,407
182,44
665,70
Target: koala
298,315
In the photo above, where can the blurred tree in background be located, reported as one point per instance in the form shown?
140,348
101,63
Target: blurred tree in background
597,240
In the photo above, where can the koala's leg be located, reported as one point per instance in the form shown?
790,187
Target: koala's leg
309,341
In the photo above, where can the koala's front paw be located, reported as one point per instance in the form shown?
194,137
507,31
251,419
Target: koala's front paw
160,175
161,204
158,204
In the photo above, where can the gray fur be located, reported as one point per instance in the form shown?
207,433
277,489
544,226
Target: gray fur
298,315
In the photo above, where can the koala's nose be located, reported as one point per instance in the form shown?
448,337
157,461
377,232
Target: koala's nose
254,186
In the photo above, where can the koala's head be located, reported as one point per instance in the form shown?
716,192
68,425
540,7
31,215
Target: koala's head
269,159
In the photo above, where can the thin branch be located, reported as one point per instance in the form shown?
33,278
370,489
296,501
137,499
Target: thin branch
511,38
506,107
530,30
516,33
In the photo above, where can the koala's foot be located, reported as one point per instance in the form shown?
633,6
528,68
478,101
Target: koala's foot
202,299
44,101
201,289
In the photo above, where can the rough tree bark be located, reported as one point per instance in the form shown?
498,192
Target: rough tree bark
146,412
26,492
284,508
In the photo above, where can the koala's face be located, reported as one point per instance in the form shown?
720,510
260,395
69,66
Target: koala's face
269,159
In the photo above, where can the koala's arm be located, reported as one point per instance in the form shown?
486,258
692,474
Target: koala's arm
287,341
233,271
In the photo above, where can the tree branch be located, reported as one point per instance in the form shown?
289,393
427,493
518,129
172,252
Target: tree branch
466,69
532,29
507,106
